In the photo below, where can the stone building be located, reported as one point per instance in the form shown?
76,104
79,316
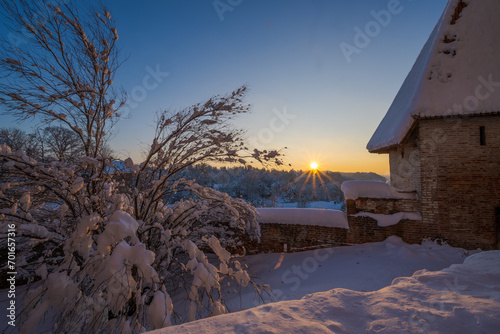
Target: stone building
442,132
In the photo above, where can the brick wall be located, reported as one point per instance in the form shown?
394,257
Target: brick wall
366,229
461,179
386,206
299,237
274,237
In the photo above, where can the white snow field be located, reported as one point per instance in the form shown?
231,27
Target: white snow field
363,289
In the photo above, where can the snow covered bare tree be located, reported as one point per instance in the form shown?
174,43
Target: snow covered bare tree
99,245
59,65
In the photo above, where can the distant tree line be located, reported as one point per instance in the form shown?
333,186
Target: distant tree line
270,188
259,186
52,143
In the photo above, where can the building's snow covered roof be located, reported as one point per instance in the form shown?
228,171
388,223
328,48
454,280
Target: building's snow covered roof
456,73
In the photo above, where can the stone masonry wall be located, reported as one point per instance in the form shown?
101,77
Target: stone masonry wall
366,229
299,237
386,206
274,237
461,179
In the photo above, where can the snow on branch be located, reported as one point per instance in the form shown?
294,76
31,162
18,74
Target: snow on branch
59,66
104,247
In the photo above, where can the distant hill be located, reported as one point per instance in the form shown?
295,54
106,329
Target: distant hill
364,176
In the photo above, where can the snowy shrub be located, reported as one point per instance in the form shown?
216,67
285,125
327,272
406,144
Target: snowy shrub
101,247
94,255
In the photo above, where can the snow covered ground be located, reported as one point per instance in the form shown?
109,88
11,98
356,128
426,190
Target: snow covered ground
349,290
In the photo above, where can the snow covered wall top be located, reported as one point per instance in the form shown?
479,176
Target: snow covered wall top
317,217
456,73
372,189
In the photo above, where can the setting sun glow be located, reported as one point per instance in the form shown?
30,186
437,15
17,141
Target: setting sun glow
314,165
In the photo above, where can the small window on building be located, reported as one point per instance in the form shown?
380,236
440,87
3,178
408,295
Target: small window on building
482,135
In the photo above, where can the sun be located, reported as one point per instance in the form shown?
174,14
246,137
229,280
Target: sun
313,165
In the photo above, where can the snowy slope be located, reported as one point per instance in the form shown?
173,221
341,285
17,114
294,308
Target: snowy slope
456,60
464,298
365,267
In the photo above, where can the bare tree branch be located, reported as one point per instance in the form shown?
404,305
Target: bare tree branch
60,62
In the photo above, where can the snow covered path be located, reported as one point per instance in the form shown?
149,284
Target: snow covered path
464,298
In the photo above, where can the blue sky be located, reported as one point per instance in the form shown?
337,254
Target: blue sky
304,93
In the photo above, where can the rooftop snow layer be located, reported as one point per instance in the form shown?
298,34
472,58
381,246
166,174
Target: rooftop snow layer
456,73
317,217
372,189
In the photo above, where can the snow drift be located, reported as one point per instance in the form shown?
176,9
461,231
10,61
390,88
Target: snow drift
464,298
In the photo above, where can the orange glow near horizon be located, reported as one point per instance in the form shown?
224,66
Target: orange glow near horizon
314,173
354,162
339,161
